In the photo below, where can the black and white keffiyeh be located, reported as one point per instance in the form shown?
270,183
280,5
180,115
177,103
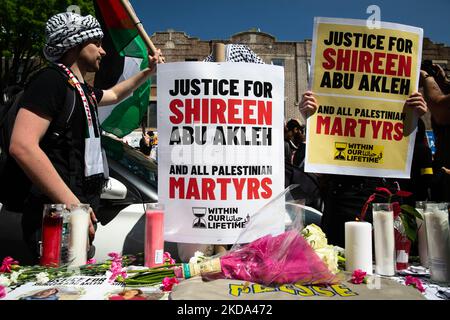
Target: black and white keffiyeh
237,53
66,30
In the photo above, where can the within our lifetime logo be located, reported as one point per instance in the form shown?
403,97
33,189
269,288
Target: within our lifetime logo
340,153
199,221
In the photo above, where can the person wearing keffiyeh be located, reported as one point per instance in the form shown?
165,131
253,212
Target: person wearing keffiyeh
65,165
237,53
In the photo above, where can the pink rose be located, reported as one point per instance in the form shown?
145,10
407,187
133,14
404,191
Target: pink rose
168,283
416,283
358,276
115,256
2,292
7,263
167,258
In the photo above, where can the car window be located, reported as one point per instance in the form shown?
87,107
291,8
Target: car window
131,159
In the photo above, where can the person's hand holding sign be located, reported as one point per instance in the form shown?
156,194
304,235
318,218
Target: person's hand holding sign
308,104
416,101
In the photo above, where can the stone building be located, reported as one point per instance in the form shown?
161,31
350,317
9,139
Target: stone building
295,56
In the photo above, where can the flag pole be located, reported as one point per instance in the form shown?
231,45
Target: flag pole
218,52
138,24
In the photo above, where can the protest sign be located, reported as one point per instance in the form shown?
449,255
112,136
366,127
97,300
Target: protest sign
361,78
220,149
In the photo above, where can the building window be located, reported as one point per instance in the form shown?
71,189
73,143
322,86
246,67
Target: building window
278,62
190,59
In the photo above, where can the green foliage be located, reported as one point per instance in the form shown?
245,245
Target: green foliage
22,35
408,216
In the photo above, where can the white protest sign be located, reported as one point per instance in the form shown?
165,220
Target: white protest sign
220,148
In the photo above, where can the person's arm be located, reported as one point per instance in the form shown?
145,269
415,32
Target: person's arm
29,128
123,89
438,102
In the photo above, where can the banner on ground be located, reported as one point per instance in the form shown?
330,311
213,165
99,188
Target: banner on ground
361,78
220,156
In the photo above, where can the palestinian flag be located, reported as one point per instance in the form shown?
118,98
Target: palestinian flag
126,54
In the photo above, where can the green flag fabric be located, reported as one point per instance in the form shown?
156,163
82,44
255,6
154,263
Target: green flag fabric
124,117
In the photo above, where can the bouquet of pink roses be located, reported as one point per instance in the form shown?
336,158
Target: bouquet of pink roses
271,258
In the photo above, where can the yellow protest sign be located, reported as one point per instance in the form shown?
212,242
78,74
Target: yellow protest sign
361,78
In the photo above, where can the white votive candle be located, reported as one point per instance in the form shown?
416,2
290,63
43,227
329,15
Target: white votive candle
383,227
436,220
79,228
358,246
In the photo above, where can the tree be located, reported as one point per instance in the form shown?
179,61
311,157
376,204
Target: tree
22,35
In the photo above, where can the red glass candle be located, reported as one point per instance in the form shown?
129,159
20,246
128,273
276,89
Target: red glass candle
52,225
154,235
402,248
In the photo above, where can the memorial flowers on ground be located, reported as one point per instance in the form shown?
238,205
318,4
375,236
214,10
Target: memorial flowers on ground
13,274
358,277
329,254
415,282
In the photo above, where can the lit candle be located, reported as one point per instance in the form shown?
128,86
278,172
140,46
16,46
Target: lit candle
154,235
436,220
383,226
79,227
358,246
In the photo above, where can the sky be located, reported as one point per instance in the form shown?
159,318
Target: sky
286,20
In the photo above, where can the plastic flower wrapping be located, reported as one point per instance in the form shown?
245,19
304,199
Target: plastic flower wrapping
288,254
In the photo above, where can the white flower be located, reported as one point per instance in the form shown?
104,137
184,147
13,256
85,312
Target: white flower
193,260
315,236
199,254
198,257
14,277
329,256
42,278
4,281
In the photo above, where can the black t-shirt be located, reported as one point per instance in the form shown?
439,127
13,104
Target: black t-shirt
45,96
442,159
442,135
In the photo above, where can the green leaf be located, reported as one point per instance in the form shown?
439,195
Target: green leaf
410,227
411,211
